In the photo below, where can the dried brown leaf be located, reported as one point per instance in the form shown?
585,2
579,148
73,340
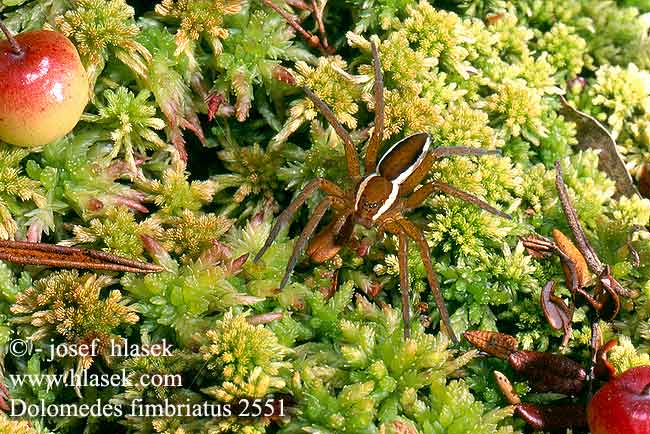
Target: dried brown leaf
593,135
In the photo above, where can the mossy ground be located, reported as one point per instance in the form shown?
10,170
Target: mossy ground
192,144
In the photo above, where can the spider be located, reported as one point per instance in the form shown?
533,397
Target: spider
379,199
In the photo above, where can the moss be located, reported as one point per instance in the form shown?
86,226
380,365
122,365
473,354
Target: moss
70,305
195,140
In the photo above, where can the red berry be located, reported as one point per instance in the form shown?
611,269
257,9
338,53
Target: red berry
622,406
43,89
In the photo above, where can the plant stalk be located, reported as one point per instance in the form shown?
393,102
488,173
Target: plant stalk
16,48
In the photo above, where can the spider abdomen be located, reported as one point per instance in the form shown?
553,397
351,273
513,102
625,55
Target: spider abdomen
404,157
379,191
331,239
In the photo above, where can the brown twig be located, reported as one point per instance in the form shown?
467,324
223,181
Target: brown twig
318,16
299,4
576,228
265,318
17,49
636,260
312,40
50,255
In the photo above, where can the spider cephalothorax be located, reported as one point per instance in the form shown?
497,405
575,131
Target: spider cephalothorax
379,199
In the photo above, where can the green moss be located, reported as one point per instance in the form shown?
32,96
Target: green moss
196,140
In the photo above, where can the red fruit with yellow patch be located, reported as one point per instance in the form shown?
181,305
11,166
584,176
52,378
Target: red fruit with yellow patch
43,88
622,406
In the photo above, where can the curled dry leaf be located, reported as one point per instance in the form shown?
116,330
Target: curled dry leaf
557,313
593,135
604,369
538,247
566,246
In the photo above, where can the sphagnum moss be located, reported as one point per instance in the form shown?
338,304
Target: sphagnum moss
195,140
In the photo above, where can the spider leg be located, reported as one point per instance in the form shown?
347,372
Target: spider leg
330,240
404,282
307,231
327,186
576,228
350,149
450,151
423,169
416,234
425,191
378,132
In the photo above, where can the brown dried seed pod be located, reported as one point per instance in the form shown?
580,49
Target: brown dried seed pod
505,386
546,382
606,279
522,361
496,344
569,249
549,372
608,300
553,417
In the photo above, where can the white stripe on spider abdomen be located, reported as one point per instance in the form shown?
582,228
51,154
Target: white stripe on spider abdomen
395,166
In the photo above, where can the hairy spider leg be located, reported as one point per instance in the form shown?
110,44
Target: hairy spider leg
416,235
354,170
423,169
404,282
307,231
285,217
378,131
427,189
30,253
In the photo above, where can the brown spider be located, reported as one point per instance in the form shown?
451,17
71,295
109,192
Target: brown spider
378,199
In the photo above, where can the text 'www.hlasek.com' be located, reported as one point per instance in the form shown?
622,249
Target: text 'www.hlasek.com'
80,378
